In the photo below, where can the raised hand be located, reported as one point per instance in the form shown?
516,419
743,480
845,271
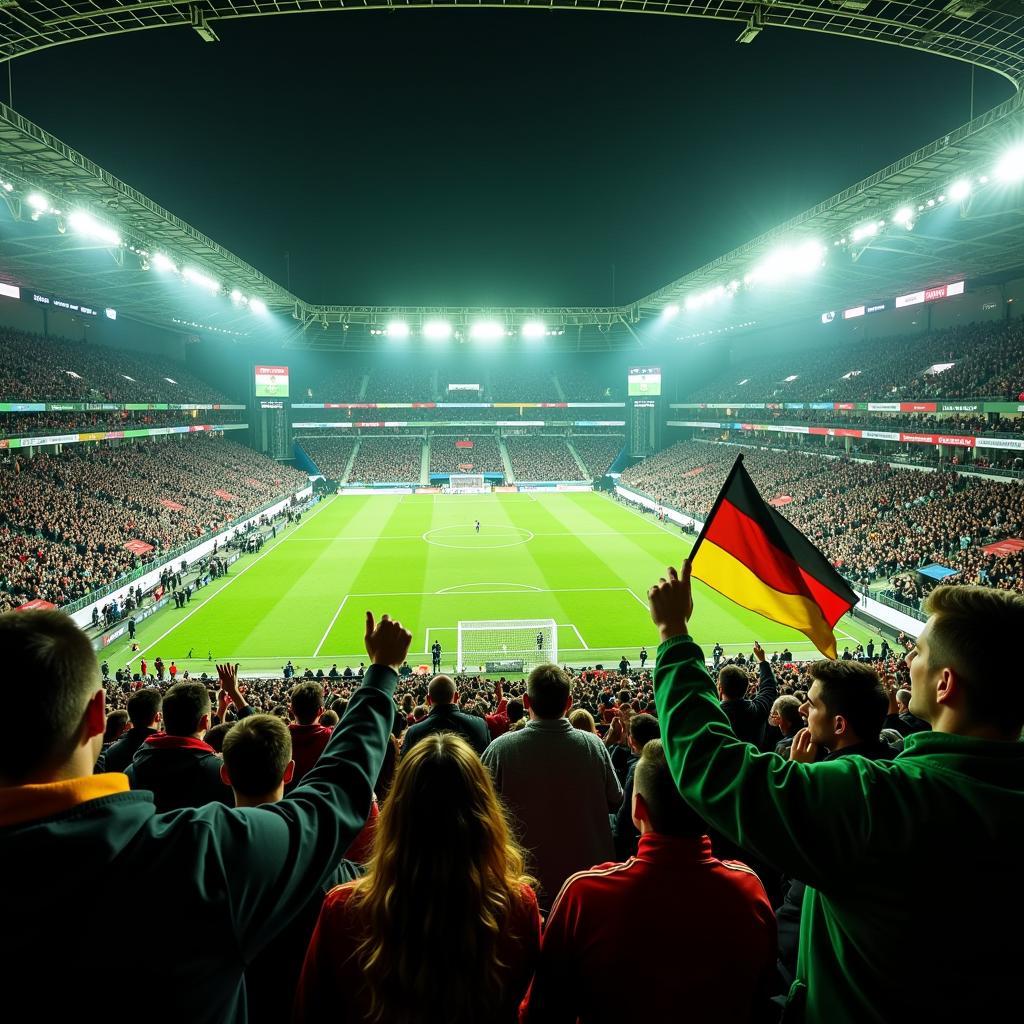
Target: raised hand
758,651
387,642
671,602
228,676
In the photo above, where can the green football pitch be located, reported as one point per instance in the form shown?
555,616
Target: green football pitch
582,560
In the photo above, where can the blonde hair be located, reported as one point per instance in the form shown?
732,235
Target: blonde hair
440,892
582,719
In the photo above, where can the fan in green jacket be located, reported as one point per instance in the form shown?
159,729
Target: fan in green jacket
914,896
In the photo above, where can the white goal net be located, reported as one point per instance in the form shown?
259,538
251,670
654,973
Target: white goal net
506,645
466,483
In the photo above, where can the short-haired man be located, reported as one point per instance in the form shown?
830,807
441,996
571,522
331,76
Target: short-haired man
558,783
446,717
948,808
177,766
661,920
904,721
642,729
786,717
748,717
229,879
144,714
309,737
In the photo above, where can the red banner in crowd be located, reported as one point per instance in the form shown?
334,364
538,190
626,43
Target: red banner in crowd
780,500
1003,548
466,467
172,505
253,482
225,495
35,606
463,444
138,547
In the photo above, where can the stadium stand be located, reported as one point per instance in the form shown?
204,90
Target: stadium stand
330,455
581,385
988,362
38,369
45,423
400,384
335,381
483,457
541,458
523,384
66,518
388,460
598,451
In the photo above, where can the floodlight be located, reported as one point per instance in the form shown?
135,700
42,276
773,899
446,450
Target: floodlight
437,330
788,262
201,279
86,224
533,329
258,306
904,216
38,202
670,311
486,330
397,329
161,262
864,231
1011,165
237,297
959,190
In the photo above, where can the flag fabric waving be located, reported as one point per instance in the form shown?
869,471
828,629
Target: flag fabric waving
749,553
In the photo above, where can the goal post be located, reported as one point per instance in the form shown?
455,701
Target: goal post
466,483
506,645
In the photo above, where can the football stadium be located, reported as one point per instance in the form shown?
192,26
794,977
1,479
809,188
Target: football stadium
495,499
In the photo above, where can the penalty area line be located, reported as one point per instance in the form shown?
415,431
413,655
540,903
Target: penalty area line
330,627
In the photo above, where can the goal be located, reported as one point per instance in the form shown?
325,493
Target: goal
466,483
506,645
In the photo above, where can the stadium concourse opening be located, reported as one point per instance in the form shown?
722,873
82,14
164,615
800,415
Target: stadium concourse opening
412,582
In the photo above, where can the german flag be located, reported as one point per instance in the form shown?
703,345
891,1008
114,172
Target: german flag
750,554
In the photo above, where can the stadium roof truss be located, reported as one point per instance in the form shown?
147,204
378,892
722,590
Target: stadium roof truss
981,239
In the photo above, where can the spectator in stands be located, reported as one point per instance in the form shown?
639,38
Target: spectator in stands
787,719
557,782
445,925
117,722
308,737
144,712
642,729
176,765
222,902
905,721
681,907
446,717
842,825
748,717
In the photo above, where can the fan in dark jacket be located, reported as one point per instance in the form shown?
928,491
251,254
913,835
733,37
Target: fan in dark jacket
748,717
177,766
444,717
144,714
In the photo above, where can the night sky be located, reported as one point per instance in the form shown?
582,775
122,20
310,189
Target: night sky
480,156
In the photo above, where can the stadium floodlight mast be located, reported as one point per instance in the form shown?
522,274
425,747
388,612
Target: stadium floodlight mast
533,330
203,280
904,216
788,261
258,306
398,330
486,330
162,262
38,202
86,224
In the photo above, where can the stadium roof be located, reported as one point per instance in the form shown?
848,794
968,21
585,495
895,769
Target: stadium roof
981,235
987,34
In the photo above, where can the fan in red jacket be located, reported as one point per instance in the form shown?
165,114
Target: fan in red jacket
308,737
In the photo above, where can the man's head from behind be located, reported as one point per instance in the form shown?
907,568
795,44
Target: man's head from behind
441,690
258,760
732,683
187,709
959,678
657,805
307,700
846,704
144,708
547,692
643,729
57,730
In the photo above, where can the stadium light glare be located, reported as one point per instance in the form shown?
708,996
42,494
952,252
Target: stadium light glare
790,261
864,231
437,330
38,201
960,190
237,297
397,329
1010,168
198,277
85,224
486,330
670,311
904,217
258,306
533,330
161,262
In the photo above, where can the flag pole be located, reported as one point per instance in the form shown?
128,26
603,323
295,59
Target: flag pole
714,508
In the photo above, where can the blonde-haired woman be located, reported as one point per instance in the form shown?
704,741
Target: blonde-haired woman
444,927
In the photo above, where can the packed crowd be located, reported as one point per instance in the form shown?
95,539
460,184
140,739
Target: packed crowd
873,521
988,362
66,519
581,385
387,460
598,451
41,424
34,368
537,457
332,380
330,455
716,842
483,457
